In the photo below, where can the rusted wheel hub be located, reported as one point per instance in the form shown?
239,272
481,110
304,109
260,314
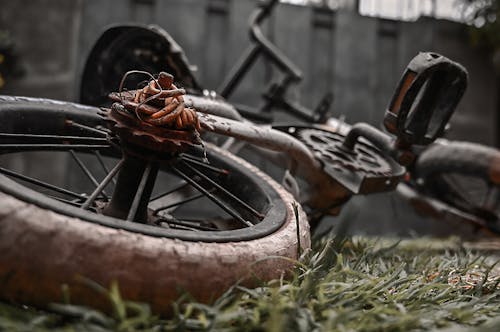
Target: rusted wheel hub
152,125
135,133
154,118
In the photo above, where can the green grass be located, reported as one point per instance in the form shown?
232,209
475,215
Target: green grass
341,285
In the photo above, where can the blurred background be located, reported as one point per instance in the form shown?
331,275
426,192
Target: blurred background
355,50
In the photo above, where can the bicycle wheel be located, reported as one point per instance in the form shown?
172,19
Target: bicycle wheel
188,225
466,178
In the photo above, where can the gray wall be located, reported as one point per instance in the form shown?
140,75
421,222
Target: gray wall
46,34
357,58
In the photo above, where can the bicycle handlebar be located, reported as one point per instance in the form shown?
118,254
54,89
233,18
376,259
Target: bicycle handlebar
265,45
261,45
275,96
265,10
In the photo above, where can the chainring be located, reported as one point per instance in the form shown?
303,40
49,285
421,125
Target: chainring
362,170
327,147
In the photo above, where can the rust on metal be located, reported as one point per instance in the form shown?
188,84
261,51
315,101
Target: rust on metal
391,117
140,133
362,169
154,117
407,81
160,103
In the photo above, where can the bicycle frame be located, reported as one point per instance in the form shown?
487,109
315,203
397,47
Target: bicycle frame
323,192
275,96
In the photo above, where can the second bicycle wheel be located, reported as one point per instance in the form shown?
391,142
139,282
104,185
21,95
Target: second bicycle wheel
157,225
465,177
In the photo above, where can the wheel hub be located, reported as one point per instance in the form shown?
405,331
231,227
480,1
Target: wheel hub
134,132
152,124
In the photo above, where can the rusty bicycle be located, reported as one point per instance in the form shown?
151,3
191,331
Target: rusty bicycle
159,208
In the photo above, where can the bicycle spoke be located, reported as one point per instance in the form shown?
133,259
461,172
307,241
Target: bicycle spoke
87,172
86,128
64,200
212,197
169,221
189,159
192,225
138,195
102,185
215,184
103,165
198,222
187,200
177,226
41,183
59,147
179,187
50,138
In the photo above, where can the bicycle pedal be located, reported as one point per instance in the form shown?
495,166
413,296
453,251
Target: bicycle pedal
425,99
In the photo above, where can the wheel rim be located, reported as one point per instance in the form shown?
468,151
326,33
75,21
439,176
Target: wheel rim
252,208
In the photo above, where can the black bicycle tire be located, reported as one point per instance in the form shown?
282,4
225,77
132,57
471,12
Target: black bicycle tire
58,112
463,158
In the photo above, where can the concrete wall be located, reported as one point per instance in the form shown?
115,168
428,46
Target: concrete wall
46,34
357,58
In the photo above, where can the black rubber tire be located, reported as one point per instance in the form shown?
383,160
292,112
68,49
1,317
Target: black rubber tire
462,157
43,250
465,159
